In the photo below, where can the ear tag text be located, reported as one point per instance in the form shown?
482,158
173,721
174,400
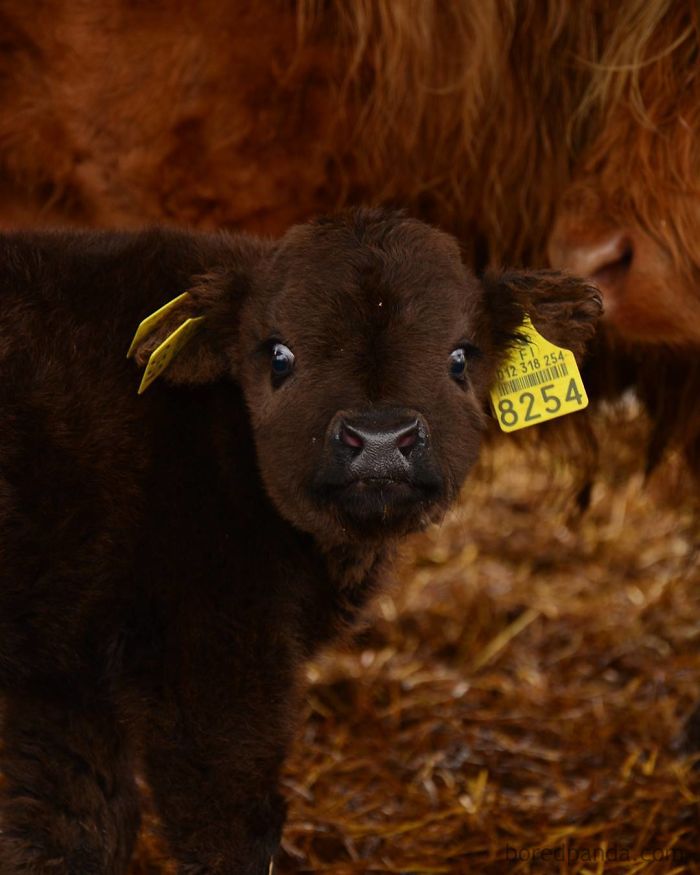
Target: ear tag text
537,382
162,355
150,322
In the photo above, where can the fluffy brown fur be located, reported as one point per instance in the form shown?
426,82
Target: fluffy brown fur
119,114
168,561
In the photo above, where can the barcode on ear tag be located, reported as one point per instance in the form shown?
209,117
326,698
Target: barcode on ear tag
537,382
162,355
150,322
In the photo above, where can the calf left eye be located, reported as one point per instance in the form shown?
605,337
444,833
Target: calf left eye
282,361
458,363
458,360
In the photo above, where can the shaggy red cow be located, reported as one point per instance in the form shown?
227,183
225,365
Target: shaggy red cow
514,126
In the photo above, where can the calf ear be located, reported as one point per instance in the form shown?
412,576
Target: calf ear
195,336
563,308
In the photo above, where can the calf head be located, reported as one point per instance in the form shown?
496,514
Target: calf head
365,351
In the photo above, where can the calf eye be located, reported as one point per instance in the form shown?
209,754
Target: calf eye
458,363
458,360
282,362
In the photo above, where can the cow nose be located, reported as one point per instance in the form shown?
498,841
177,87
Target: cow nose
606,261
380,446
611,253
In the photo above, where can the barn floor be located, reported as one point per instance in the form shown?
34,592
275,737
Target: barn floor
513,706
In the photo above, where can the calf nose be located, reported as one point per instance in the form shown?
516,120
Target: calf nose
380,445
371,440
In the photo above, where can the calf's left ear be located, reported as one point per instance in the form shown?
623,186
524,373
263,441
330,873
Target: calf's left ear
563,308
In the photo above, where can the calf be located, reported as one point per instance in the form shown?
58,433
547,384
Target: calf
169,560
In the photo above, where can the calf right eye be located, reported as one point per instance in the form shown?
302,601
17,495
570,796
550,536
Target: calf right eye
282,362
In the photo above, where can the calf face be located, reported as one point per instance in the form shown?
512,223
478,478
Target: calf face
365,351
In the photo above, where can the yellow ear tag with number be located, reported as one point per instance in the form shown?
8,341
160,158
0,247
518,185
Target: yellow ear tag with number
538,381
162,355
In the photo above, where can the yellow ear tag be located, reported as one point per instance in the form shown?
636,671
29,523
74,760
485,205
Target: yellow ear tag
162,355
538,381
149,323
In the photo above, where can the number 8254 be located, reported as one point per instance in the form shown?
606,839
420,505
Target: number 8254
533,408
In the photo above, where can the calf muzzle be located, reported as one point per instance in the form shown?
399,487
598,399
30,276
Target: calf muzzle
379,445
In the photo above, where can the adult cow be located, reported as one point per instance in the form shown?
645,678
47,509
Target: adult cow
630,219
513,125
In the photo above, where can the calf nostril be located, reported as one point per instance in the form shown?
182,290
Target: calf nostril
407,438
350,437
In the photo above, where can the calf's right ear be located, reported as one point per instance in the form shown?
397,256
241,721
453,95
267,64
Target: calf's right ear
193,339
563,308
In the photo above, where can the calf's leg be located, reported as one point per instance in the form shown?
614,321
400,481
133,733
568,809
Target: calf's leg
213,744
68,802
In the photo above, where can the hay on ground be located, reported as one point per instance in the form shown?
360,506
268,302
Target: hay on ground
513,703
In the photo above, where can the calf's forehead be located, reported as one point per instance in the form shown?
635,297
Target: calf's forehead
413,284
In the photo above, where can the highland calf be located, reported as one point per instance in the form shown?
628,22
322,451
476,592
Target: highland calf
168,561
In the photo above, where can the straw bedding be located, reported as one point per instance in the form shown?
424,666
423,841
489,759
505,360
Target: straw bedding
514,703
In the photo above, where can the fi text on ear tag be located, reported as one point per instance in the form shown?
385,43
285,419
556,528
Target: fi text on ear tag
537,382
162,355
150,322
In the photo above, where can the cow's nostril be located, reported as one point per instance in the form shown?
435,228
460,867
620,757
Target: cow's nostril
618,265
602,260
